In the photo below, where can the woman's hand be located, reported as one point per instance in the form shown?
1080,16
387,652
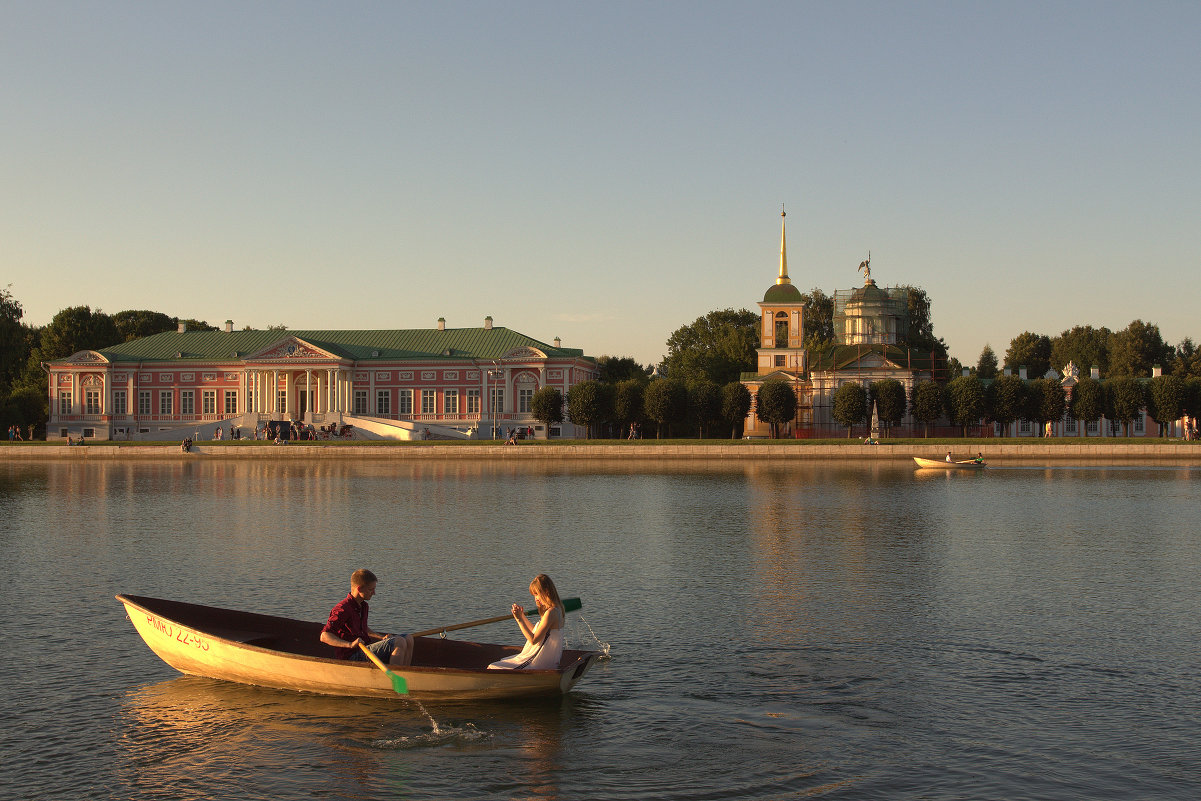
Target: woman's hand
517,611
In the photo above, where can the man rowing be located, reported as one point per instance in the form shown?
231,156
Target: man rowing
347,627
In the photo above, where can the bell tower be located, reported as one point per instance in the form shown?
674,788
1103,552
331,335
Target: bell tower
782,320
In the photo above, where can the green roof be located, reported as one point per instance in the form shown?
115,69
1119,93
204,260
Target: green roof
421,343
782,293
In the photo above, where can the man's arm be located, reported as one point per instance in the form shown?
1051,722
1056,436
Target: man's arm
329,638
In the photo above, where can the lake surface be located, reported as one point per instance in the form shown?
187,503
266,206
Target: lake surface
839,630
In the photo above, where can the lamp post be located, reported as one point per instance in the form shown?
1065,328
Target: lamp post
494,372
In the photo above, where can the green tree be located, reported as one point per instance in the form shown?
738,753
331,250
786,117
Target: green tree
775,404
547,407
818,318
735,406
590,403
965,401
704,404
1084,346
1006,400
26,407
986,365
1187,361
615,369
1165,400
665,402
1088,403
75,329
1137,348
849,405
888,394
135,324
921,323
201,325
627,402
1032,351
927,403
1045,401
1192,397
14,350
1125,399
719,346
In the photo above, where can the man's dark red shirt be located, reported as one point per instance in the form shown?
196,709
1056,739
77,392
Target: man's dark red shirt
348,620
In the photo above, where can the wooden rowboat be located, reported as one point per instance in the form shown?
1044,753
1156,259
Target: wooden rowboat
942,464
281,652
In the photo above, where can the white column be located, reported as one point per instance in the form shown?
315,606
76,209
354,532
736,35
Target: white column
275,391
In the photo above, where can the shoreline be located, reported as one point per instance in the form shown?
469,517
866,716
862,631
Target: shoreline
1180,453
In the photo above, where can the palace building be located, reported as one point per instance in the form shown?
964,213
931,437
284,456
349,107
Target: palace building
388,384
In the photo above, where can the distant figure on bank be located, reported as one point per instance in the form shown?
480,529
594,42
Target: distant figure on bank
347,627
949,459
543,642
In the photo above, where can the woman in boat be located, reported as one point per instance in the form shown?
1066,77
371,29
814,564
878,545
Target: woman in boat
543,642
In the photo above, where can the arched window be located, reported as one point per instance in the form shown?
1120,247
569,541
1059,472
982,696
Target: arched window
781,329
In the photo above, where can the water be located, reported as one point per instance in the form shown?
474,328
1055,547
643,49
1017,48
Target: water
834,630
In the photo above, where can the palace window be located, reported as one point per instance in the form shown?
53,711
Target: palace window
524,396
429,401
91,401
498,400
165,401
450,401
383,402
282,402
144,402
187,402
231,401
404,401
209,401
64,402
1140,423
120,402
781,329
360,401
473,401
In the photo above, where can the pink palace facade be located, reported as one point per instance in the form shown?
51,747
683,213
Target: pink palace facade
387,384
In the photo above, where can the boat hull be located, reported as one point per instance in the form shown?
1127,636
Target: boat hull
286,654
942,464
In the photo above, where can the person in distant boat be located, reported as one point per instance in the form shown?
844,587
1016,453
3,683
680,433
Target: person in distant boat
544,641
347,627
949,459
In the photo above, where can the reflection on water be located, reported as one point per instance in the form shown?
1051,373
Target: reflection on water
835,629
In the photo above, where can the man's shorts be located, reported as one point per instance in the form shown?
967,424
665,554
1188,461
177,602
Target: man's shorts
382,649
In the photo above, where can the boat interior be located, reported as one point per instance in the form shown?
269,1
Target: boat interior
302,638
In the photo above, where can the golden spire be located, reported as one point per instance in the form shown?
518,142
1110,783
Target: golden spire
783,279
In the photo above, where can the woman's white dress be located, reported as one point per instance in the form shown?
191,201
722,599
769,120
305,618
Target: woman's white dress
536,656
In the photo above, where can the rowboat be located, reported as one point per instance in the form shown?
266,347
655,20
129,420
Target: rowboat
942,464
287,654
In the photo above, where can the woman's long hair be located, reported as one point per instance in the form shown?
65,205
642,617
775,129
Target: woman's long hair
546,589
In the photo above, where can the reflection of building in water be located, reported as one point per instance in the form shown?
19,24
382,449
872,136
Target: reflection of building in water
870,328
407,384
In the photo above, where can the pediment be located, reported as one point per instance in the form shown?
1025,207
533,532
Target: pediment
290,349
86,357
524,352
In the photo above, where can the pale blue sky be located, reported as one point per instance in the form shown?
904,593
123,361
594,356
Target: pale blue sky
602,172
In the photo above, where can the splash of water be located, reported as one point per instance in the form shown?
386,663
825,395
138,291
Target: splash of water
604,646
450,734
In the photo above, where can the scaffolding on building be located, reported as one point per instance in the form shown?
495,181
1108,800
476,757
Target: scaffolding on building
869,315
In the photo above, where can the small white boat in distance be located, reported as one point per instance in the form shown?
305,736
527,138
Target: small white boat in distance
288,654
943,464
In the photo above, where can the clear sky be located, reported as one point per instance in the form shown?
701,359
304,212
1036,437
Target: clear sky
602,172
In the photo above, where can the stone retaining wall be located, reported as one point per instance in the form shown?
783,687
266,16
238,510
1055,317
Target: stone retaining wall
1176,452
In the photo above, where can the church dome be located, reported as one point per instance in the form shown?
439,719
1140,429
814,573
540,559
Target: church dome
782,293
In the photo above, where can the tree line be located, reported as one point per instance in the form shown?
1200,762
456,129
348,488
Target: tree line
23,349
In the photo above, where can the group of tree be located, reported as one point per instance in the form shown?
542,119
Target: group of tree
24,348
968,400
663,407
1133,351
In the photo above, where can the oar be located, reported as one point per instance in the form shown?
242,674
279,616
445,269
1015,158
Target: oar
398,682
569,605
